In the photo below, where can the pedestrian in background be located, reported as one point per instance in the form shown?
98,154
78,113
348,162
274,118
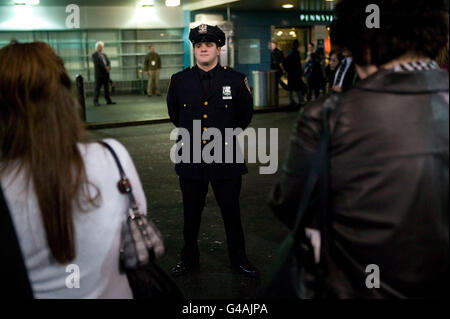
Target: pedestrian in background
314,76
293,66
276,63
102,68
152,67
310,51
345,75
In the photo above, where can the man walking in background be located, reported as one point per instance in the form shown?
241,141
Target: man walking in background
276,63
293,66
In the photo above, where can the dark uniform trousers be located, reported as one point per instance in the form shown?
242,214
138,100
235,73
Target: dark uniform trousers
227,195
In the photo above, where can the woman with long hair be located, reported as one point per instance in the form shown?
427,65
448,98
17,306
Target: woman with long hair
60,188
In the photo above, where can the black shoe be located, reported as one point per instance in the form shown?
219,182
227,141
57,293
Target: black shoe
245,269
96,104
181,269
111,102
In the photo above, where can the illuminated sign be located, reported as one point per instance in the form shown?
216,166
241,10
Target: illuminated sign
316,17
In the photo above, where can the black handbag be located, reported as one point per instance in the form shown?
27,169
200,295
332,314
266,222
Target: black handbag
141,243
15,282
295,272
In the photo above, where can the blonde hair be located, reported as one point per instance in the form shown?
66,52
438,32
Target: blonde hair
99,43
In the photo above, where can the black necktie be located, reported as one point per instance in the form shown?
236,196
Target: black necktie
341,71
206,81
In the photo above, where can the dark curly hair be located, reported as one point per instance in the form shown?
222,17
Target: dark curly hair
417,26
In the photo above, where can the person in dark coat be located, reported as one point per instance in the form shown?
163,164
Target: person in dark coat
102,66
388,157
345,75
330,70
314,76
293,66
276,63
200,99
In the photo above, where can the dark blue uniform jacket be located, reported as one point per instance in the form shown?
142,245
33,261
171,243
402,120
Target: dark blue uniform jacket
228,104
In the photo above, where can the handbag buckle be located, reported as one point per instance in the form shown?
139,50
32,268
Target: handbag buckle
131,213
124,185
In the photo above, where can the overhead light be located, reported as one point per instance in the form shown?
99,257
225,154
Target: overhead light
172,3
279,33
26,2
287,6
146,3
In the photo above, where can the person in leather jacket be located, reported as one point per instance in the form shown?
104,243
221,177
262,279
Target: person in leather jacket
388,155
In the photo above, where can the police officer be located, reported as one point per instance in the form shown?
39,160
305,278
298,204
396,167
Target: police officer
214,97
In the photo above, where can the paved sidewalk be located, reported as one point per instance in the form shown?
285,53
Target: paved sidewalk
140,108
149,146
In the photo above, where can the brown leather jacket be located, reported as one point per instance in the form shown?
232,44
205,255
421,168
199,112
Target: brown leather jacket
388,184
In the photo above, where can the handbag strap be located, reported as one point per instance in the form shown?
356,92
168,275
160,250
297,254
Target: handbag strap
15,283
124,184
331,103
319,174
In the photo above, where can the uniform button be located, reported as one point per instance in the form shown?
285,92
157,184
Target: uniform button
184,105
226,106
205,116
205,103
226,143
225,67
204,142
204,129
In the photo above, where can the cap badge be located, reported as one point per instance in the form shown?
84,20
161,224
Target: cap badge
203,28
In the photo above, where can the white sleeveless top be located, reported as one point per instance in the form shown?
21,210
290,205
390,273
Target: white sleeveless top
97,231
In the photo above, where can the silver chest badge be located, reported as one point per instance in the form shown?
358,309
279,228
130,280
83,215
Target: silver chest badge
226,93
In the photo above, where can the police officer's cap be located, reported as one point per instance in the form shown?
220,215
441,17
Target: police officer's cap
207,33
